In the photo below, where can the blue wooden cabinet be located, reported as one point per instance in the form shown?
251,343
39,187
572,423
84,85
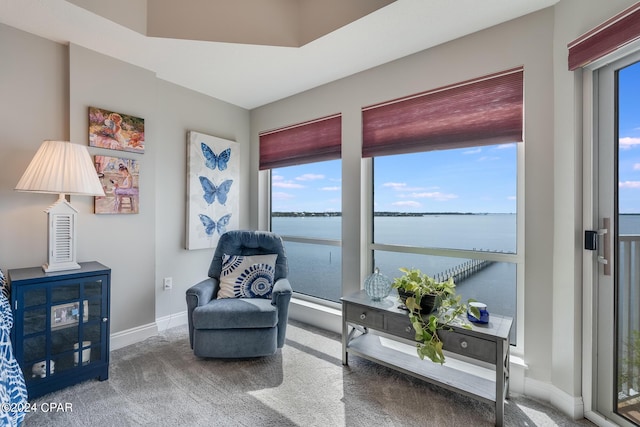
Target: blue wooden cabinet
60,332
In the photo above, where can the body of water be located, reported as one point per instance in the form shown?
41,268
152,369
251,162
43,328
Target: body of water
317,269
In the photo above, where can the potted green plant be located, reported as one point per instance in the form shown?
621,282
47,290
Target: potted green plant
443,308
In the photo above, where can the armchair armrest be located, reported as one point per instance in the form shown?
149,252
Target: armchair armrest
281,288
280,297
203,292
197,295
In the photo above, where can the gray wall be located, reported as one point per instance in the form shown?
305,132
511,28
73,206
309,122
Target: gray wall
179,111
46,91
33,107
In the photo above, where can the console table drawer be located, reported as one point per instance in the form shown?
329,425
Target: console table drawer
401,327
364,316
469,346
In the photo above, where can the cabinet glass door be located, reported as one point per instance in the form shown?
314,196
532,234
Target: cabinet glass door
92,331
62,327
34,330
66,313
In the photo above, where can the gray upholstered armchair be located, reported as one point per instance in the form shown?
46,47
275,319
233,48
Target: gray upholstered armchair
240,327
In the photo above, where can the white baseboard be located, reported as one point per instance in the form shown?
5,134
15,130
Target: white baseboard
572,406
172,320
517,374
141,333
132,336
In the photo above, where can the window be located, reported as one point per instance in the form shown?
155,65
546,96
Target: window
306,202
445,185
451,213
306,212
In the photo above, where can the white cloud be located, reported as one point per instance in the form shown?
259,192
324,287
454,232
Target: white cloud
628,142
475,151
276,195
629,184
488,158
286,184
512,198
330,188
402,186
435,195
309,177
395,185
636,166
407,204
503,146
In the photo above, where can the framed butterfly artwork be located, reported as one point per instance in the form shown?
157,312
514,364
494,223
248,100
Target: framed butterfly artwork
212,190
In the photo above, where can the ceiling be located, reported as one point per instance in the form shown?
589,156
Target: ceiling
251,75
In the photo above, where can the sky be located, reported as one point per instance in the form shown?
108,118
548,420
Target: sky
475,179
629,139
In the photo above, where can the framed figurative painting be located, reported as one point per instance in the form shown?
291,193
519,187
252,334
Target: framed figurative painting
115,131
120,181
212,189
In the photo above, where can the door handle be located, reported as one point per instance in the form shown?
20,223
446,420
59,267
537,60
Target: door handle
591,243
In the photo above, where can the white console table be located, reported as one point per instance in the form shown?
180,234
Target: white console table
488,344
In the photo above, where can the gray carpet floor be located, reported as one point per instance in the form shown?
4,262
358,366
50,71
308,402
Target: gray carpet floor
159,382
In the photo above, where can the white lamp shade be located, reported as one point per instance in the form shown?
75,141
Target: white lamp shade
63,168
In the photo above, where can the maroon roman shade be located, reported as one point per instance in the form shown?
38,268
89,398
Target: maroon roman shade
483,111
609,36
312,141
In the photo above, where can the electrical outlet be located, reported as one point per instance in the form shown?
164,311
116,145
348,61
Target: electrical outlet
168,283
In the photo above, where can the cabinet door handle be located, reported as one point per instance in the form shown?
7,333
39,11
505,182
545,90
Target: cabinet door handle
105,319
363,316
464,344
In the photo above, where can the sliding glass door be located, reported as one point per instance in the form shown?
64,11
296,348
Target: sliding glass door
617,285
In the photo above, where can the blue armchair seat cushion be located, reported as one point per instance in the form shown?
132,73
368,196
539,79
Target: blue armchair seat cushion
236,313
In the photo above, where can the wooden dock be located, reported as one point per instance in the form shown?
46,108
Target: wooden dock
462,271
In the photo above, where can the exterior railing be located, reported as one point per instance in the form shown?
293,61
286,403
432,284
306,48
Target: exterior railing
628,299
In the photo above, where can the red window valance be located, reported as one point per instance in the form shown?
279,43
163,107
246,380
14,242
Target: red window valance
312,141
482,111
607,37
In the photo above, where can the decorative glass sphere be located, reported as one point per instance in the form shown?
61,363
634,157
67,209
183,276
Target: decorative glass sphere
377,286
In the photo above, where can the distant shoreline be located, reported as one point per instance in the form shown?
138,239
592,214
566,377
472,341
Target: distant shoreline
393,214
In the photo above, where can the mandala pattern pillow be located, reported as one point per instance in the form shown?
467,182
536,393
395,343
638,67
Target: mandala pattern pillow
247,276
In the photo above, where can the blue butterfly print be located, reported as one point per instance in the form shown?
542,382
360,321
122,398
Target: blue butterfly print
210,226
211,191
212,160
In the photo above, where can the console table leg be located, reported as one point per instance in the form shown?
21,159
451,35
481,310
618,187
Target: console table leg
502,358
345,340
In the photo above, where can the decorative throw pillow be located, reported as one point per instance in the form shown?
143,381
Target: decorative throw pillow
247,276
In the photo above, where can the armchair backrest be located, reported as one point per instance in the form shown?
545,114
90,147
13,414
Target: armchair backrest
249,242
